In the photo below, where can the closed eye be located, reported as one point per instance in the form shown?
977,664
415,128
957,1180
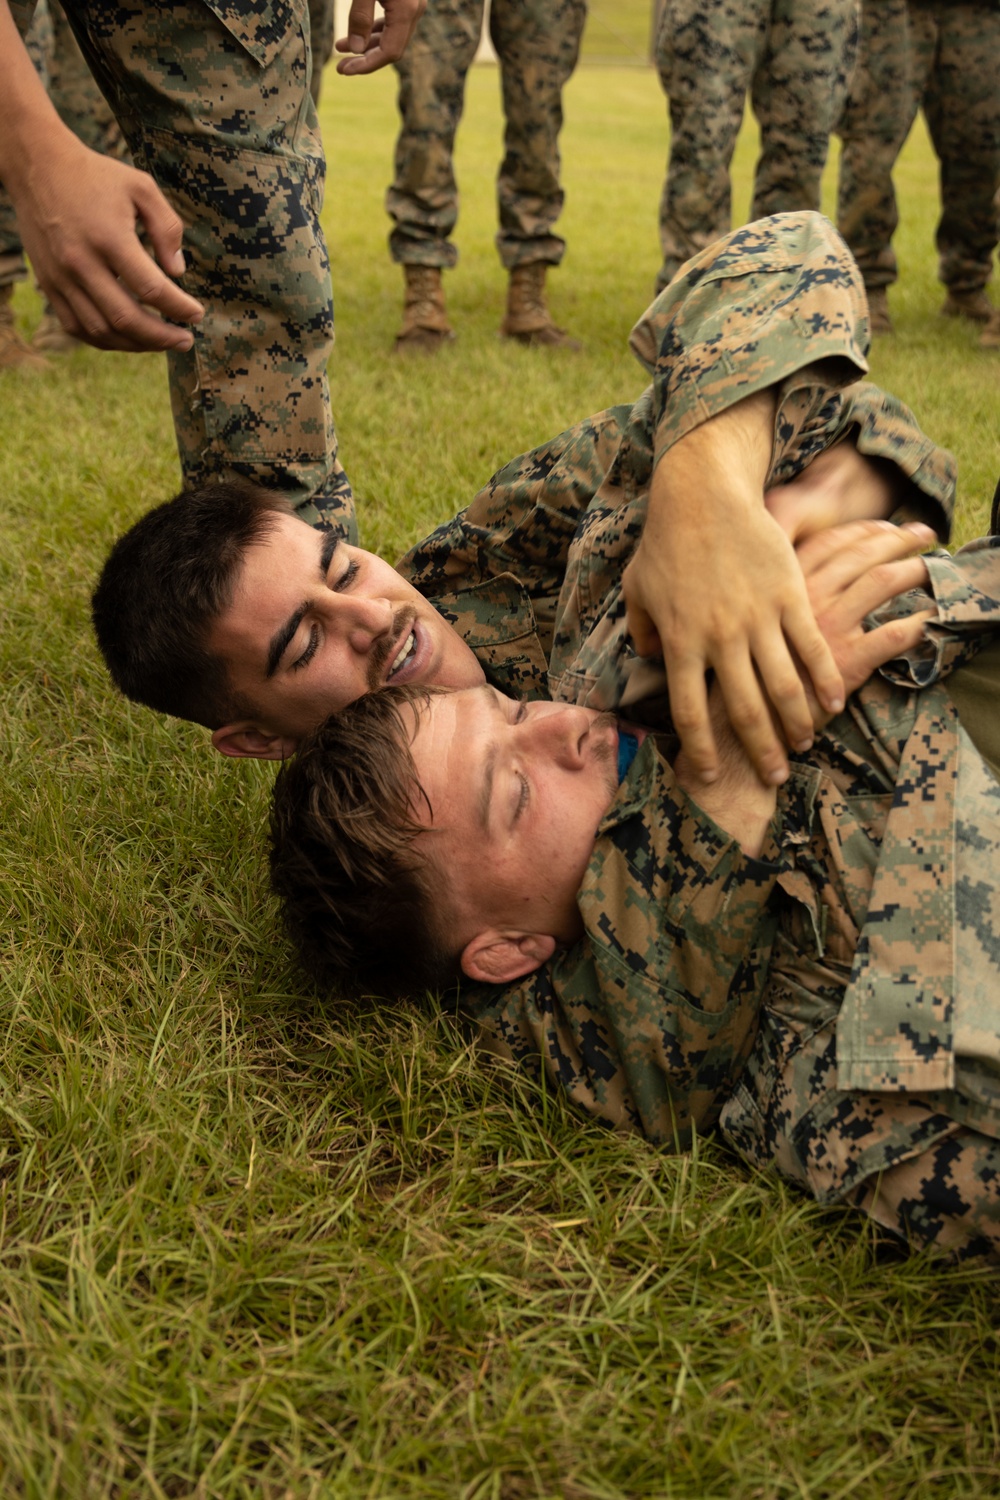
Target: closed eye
522,800
347,577
310,650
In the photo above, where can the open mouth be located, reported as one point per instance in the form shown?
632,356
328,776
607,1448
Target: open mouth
407,651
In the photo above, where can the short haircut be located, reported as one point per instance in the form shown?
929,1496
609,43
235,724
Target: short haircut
162,587
363,908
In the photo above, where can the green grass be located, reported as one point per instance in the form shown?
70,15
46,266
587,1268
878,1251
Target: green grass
253,1245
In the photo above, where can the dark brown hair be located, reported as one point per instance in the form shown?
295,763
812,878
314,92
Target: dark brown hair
165,582
358,901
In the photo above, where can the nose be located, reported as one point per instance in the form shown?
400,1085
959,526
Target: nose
359,620
559,734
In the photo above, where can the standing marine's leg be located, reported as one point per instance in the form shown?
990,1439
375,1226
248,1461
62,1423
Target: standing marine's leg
423,199
15,353
798,95
876,121
538,45
220,114
706,53
962,106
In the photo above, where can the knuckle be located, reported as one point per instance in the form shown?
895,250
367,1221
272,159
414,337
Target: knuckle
686,717
749,716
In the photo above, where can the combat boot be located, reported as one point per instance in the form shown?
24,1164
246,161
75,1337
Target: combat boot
425,322
528,318
15,354
991,333
975,306
878,310
50,337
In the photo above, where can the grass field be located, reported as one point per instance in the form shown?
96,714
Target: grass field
254,1246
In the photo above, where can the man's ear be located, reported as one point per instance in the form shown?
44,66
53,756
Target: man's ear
245,741
501,957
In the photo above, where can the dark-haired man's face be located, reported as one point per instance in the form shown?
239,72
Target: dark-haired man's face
315,624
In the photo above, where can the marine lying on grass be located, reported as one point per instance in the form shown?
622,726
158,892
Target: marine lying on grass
810,967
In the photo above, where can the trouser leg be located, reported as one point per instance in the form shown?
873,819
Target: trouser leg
876,121
538,43
962,106
706,53
230,135
74,93
423,199
798,94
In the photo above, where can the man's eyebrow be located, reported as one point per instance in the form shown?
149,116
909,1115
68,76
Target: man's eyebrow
282,636
331,541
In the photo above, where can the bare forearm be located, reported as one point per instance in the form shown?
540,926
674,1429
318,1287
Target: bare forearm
29,124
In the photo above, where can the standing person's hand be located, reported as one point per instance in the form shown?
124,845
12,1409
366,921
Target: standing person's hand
373,43
77,212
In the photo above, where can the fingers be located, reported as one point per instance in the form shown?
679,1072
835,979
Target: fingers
689,712
163,226
359,27
99,307
375,43
845,553
889,641
816,657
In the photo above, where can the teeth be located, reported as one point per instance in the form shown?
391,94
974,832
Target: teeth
408,645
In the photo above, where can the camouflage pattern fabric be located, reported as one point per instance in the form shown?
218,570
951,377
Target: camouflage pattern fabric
875,123
796,59
874,1075
946,57
956,64
321,40
213,99
537,45
60,64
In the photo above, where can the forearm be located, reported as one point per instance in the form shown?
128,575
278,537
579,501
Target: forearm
29,124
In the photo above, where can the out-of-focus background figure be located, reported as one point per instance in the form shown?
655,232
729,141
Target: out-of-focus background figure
796,58
944,57
56,54
537,43
321,37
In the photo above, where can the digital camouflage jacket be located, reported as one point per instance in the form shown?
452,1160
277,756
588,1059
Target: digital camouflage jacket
530,575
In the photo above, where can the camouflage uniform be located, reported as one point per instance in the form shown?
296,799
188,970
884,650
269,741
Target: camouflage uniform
875,123
321,39
537,45
873,1077
652,1026
947,58
796,58
214,102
